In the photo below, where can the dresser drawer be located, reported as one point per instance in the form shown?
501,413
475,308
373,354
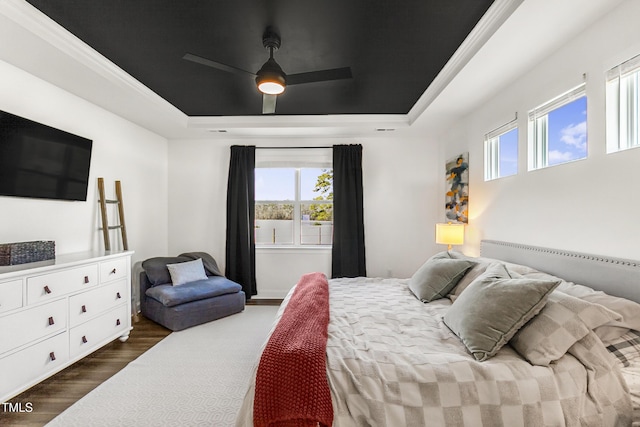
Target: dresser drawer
10,295
113,269
85,338
30,364
29,325
88,304
52,285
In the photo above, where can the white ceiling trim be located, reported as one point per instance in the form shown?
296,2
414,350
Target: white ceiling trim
493,19
31,19
326,125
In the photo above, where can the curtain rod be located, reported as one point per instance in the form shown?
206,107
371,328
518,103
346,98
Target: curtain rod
296,148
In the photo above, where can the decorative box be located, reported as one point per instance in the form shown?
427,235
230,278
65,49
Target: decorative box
24,252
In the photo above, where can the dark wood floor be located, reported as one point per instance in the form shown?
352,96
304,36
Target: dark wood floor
52,396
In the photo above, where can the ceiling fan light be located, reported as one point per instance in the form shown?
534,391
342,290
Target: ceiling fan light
271,79
270,88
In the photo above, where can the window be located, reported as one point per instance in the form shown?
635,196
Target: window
293,198
623,114
501,152
558,130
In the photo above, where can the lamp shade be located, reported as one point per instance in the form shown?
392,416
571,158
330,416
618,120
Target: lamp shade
450,234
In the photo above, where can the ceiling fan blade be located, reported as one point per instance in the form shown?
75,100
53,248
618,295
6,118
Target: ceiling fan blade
319,76
217,65
269,103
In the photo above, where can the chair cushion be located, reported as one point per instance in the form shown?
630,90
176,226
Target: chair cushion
157,271
214,286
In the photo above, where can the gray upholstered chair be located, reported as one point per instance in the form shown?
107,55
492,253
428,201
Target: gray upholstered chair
188,304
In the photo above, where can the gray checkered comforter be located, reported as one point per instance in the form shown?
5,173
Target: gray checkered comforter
393,362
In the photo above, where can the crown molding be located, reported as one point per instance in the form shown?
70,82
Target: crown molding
34,21
493,19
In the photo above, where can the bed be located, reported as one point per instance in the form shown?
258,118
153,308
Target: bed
378,352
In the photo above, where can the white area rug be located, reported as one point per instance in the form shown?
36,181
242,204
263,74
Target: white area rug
194,377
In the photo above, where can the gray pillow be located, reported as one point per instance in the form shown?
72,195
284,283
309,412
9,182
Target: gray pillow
562,322
186,272
438,276
156,269
493,307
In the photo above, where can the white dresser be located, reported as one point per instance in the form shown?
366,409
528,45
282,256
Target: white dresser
54,313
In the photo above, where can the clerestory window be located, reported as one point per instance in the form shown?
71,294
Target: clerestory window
622,105
501,151
558,130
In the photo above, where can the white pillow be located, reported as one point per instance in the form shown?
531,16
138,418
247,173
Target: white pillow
185,272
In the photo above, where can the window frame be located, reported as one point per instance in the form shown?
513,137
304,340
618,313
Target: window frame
623,106
538,124
492,150
295,159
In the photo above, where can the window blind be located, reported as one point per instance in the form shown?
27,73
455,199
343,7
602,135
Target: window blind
565,98
321,157
621,70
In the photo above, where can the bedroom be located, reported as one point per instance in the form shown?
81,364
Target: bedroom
585,206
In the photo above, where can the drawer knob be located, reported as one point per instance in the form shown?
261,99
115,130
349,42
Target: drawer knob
86,279
84,308
84,339
51,321
113,271
117,322
52,356
118,295
47,290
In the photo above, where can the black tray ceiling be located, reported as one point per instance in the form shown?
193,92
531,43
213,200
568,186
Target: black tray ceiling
394,48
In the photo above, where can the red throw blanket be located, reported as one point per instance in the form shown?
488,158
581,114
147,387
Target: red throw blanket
291,382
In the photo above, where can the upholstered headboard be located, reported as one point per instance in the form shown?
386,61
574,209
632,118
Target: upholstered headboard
615,276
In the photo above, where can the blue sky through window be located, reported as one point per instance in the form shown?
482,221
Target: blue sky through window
508,146
279,183
568,132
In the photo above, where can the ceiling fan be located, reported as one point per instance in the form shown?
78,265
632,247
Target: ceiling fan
270,79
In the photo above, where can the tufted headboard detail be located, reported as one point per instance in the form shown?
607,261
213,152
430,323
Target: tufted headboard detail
615,276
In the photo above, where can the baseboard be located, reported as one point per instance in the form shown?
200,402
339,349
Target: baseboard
264,301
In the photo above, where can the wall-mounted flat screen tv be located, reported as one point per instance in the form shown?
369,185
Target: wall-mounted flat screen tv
42,162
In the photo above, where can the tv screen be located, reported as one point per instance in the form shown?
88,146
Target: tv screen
42,162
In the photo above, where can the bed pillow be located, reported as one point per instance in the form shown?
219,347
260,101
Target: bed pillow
629,310
493,307
626,348
562,322
438,276
185,272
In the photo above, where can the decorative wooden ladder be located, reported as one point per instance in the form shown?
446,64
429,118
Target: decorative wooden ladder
123,229
105,221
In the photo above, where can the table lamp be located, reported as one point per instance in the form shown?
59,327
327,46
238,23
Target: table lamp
449,234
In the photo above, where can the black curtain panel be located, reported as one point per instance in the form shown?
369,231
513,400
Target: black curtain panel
348,255
241,246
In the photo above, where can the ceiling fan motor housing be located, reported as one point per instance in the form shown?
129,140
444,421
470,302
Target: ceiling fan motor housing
270,78
271,39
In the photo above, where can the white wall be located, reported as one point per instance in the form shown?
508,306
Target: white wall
401,202
590,205
121,151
